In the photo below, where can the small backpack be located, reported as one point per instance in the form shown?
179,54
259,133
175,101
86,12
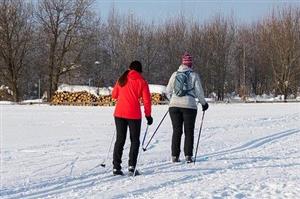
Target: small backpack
181,83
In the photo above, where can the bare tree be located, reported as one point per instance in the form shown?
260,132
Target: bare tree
280,40
172,43
63,24
199,48
219,38
92,58
149,49
15,40
251,72
126,39
111,44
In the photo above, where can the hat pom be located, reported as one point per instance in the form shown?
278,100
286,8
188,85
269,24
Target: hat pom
187,59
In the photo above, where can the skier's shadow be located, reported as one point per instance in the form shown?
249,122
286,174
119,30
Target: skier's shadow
254,143
236,166
247,146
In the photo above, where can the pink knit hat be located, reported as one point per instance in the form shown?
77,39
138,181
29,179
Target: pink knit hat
187,59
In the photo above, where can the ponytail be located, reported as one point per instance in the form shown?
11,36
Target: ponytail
123,79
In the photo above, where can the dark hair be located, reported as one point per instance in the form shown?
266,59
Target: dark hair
135,65
123,79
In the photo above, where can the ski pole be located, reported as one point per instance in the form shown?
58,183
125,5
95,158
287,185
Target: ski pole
139,154
104,162
145,148
145,135
199,137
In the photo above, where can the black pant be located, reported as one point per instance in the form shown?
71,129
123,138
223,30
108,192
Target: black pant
180,117
135,131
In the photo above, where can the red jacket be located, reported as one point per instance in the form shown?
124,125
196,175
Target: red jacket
128,104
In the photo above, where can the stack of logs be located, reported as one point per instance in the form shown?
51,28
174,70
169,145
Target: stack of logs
73,98
157,98
106,101
85,98
5,95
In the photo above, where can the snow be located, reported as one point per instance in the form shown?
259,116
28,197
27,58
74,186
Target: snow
154,88
245,151
32,101
78,88
266,98
105,91
6,102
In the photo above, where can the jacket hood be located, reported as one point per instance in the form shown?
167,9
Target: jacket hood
134,75
184,68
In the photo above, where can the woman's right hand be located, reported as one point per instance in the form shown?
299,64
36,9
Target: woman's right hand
205,107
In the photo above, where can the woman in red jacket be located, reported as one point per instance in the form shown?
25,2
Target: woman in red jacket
128,90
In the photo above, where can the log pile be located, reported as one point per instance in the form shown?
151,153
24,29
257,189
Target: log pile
5,94
157,98
85,98
106,100
73,98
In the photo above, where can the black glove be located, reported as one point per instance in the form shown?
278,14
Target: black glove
149,120
205,107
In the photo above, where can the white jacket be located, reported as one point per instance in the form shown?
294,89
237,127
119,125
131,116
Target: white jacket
187,101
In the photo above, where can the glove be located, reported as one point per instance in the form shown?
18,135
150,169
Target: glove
205,107
149,120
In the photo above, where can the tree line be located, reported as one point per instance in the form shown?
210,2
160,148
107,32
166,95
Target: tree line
50,42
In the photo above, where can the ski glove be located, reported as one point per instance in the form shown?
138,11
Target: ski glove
205,107
149,120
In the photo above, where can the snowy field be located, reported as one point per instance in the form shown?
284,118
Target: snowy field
245,151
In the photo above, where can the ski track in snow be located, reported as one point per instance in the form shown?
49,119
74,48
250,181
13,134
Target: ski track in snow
245,151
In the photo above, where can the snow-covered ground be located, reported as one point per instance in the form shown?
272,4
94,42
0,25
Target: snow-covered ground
245,151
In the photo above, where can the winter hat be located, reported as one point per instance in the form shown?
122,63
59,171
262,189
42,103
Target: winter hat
137,66
187,59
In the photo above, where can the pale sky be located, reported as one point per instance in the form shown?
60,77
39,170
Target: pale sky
160,10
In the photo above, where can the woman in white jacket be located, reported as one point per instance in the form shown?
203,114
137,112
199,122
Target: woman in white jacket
183,88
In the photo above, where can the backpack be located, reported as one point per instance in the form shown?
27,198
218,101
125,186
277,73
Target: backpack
181,83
